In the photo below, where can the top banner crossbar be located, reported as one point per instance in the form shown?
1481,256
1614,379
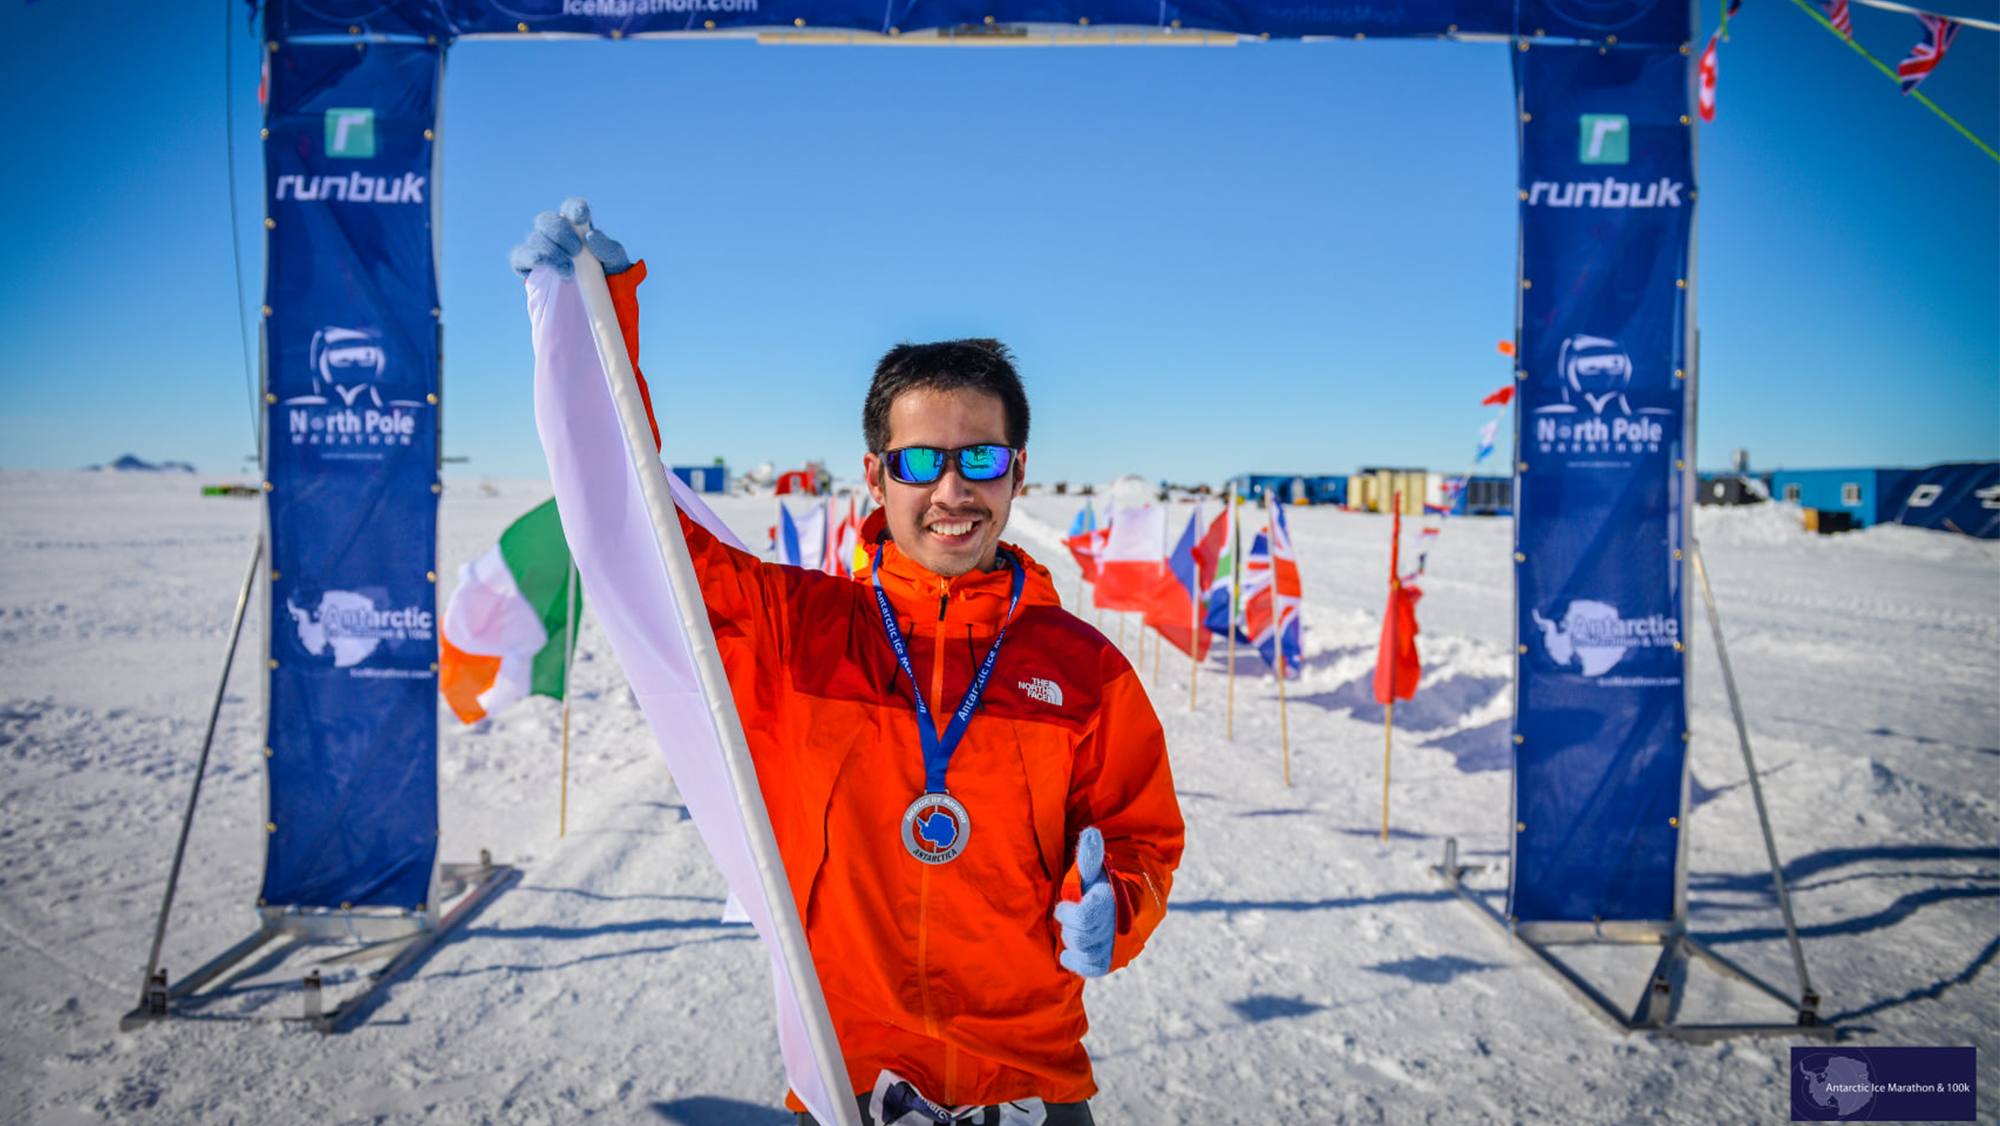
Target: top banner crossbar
1657,23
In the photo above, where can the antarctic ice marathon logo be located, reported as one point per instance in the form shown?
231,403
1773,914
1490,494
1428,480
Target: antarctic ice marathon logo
1596,637
345,406
349,623
1593,375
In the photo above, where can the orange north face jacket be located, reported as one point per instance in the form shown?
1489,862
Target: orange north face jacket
945,974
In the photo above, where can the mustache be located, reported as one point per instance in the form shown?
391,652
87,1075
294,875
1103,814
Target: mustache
965,512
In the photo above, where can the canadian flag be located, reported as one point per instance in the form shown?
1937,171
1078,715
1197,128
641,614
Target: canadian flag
1705,99
1133,559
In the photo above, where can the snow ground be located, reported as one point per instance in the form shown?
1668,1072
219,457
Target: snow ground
1307,973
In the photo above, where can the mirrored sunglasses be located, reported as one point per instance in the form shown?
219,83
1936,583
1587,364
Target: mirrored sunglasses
921,465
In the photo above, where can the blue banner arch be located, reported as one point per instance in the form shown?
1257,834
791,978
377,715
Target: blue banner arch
1607,201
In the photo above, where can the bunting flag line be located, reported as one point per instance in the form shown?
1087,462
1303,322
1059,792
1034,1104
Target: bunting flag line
1929,51
1486,434
1838,16
1705,93
504,626
1501,397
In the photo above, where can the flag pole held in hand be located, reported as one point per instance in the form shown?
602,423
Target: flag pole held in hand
786,934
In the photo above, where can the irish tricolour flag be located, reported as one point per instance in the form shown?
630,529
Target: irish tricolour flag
505,627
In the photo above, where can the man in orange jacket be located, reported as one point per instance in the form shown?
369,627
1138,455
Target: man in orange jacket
942,748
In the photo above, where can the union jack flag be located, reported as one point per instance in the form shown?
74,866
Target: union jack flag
1271,593
1836,14
1929,52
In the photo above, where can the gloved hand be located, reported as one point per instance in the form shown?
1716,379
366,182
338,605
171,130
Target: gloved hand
555,242
1090,924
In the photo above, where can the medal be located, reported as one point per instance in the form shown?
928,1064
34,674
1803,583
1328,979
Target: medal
936,826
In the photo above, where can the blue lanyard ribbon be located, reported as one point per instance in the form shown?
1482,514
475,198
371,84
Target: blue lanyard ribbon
938,749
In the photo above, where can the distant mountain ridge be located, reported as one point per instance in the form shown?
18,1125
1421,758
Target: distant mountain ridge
132,463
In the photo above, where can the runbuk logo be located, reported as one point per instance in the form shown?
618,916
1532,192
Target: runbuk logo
1607,192
353,188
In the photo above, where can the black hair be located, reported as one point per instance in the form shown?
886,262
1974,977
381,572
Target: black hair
950,365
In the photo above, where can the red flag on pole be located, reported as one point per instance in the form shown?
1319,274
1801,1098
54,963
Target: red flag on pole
1397,669
1499,398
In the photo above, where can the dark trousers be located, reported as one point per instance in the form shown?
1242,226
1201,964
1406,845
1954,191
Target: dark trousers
1060,1114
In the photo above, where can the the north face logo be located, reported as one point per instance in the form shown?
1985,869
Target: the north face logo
1047,691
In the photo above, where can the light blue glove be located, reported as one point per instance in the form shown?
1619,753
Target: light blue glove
555,243
1090,924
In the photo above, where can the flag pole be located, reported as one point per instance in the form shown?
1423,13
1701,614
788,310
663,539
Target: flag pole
1235,595
1277,633
1389,717
1194,612
1388,726
788,932
569,657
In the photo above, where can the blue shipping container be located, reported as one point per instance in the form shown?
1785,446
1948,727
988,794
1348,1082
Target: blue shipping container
704,478
1861,493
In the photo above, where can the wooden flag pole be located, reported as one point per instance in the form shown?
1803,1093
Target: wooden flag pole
1235,596
1388,728
1194,612
1277,634
569,658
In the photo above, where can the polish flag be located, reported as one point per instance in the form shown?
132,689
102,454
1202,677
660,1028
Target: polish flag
1133,560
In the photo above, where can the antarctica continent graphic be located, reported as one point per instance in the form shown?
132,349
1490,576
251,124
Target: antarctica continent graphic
350,626
934,828
1839,1086
1596,637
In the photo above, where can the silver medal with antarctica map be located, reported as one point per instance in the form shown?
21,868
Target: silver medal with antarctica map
935,828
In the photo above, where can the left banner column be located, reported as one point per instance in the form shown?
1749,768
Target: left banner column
351,468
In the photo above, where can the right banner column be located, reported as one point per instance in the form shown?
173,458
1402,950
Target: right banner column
1600,724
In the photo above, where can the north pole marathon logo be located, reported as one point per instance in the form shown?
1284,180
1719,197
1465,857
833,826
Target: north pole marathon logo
346,406
1594,635
1595,414
352,627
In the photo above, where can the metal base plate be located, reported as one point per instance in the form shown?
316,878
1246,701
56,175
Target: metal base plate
1658,1009
402,940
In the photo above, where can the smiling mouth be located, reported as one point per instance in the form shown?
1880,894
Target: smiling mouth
951,529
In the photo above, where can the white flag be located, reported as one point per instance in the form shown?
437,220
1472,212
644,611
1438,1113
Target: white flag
612,535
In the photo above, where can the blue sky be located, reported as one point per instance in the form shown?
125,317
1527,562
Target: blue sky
1278,256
